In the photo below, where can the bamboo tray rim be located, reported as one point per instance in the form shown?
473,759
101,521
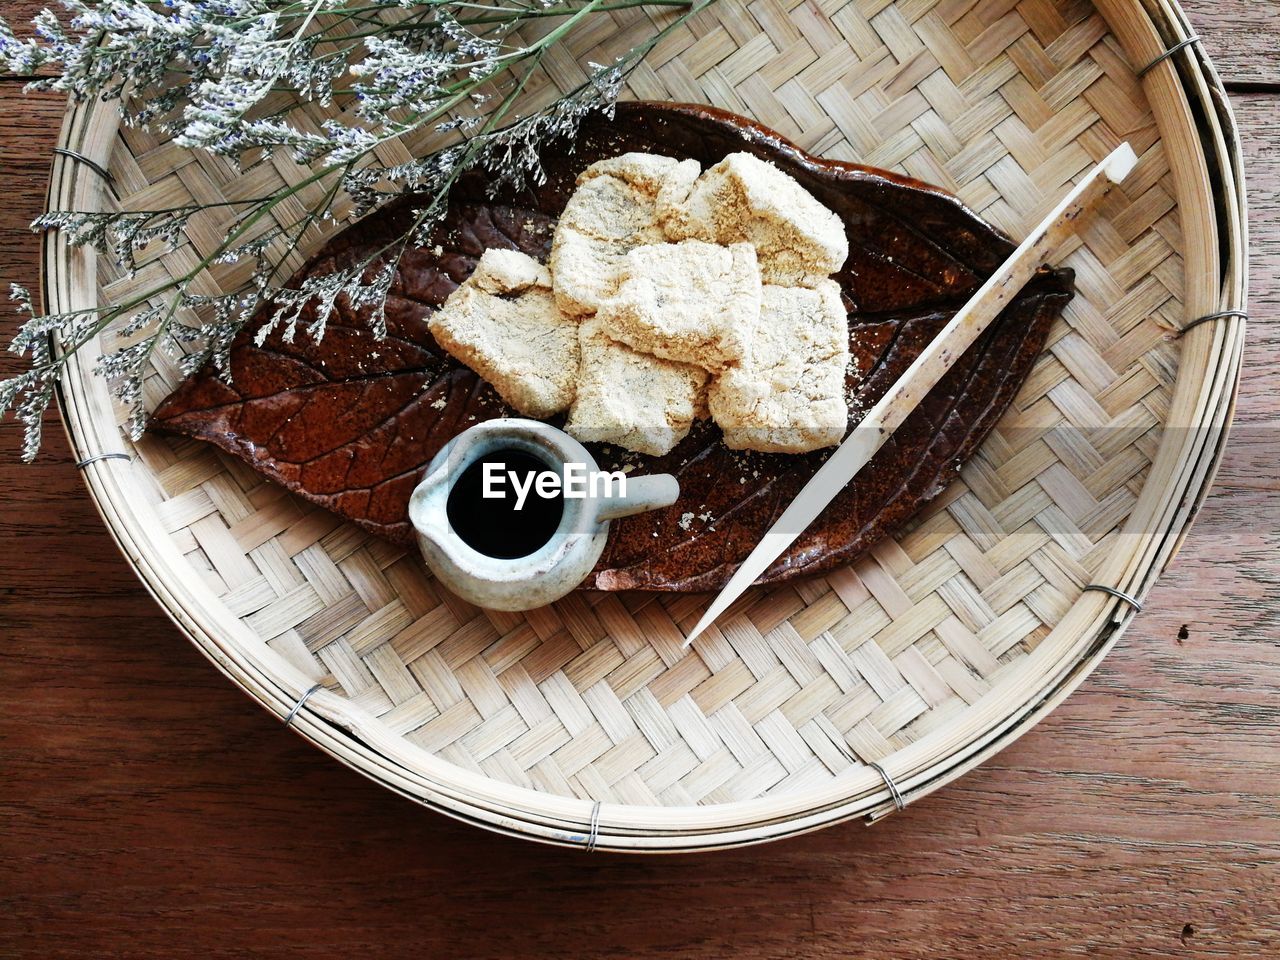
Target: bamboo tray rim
1049,673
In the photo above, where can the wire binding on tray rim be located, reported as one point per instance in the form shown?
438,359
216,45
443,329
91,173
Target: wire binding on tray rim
593,829
293,712
93,165
1119,594
81,464
1194,38
1220,315
898,800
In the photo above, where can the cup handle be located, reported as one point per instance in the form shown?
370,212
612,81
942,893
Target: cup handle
643,494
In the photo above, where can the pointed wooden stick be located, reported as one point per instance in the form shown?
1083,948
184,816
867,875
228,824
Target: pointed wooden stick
922,376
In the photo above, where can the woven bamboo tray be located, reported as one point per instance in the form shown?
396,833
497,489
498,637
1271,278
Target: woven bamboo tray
845,696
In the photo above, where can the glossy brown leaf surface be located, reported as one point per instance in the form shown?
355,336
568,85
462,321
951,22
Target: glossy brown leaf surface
351,422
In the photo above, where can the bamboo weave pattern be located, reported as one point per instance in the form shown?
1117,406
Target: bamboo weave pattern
1001,102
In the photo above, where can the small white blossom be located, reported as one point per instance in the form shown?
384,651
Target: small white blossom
241,79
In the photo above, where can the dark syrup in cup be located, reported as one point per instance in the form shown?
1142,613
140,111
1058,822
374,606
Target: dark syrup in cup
493,526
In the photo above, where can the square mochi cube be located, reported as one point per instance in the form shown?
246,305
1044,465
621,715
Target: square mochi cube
692,302
620,203
798,241
633,400
504,324
787,394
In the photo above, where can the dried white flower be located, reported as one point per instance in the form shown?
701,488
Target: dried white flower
229,77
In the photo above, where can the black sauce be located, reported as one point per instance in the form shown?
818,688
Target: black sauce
493,526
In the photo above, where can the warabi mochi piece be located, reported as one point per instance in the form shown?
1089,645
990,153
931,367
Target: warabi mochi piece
620,203
692,302
504,324
648,172
587,271
634,400
605,207
787,394
504,272
746,199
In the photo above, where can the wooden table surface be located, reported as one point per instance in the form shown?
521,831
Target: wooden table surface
149,809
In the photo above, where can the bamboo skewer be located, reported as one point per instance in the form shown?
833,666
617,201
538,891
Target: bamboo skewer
923,375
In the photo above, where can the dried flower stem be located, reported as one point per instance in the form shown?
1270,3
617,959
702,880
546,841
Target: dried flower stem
408,68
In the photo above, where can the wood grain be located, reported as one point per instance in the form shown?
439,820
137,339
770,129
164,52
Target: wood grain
1242,37
150,810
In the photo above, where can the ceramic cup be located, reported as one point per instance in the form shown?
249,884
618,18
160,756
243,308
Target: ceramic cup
565,559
